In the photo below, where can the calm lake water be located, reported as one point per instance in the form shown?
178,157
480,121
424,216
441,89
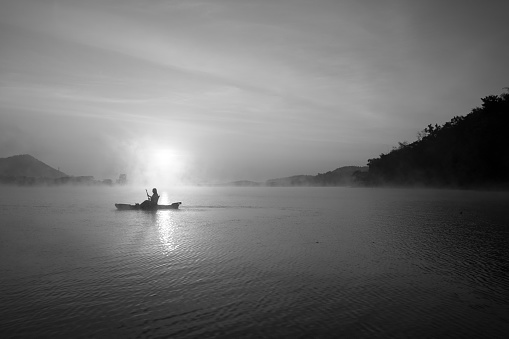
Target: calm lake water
254,263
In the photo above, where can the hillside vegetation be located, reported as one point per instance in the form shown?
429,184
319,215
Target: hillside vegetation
468,151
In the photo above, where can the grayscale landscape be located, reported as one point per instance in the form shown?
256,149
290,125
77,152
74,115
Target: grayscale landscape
254,169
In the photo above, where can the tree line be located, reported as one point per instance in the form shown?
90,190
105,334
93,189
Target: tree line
466,152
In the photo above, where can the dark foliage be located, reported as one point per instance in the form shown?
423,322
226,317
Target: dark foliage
468,151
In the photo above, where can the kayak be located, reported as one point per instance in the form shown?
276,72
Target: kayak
173,206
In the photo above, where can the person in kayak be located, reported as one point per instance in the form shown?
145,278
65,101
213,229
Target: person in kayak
155,197
151,201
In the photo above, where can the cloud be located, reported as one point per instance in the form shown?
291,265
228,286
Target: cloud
228,79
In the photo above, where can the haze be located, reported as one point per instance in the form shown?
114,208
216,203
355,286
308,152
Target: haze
209,91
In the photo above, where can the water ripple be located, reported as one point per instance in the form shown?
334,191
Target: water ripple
347,263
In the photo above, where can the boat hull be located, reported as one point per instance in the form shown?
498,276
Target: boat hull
124,207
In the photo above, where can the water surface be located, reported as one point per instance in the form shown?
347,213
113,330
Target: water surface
254,262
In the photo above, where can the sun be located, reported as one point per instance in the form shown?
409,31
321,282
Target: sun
166,159
165,163
160,165
163,158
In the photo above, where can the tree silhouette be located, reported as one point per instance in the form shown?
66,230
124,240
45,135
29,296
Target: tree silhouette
467,151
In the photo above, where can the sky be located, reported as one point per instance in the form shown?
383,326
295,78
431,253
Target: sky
187,91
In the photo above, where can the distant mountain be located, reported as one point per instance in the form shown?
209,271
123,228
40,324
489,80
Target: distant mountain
342,176
295,180
243,183
27,166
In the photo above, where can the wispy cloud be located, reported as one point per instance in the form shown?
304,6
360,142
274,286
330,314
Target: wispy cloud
246,75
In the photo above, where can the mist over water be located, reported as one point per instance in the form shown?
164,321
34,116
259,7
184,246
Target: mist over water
254,262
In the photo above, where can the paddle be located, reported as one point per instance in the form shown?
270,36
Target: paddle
148,196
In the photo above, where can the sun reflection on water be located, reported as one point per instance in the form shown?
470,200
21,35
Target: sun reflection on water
166,227
163,199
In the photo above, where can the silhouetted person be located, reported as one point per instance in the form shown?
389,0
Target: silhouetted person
151,201
155,197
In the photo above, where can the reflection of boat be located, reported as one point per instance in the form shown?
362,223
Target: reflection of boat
173,206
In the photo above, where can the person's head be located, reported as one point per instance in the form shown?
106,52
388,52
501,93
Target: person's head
154,190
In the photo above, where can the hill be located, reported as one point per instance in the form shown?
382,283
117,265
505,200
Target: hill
466,152
27,166
241,183
342,176
245,183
